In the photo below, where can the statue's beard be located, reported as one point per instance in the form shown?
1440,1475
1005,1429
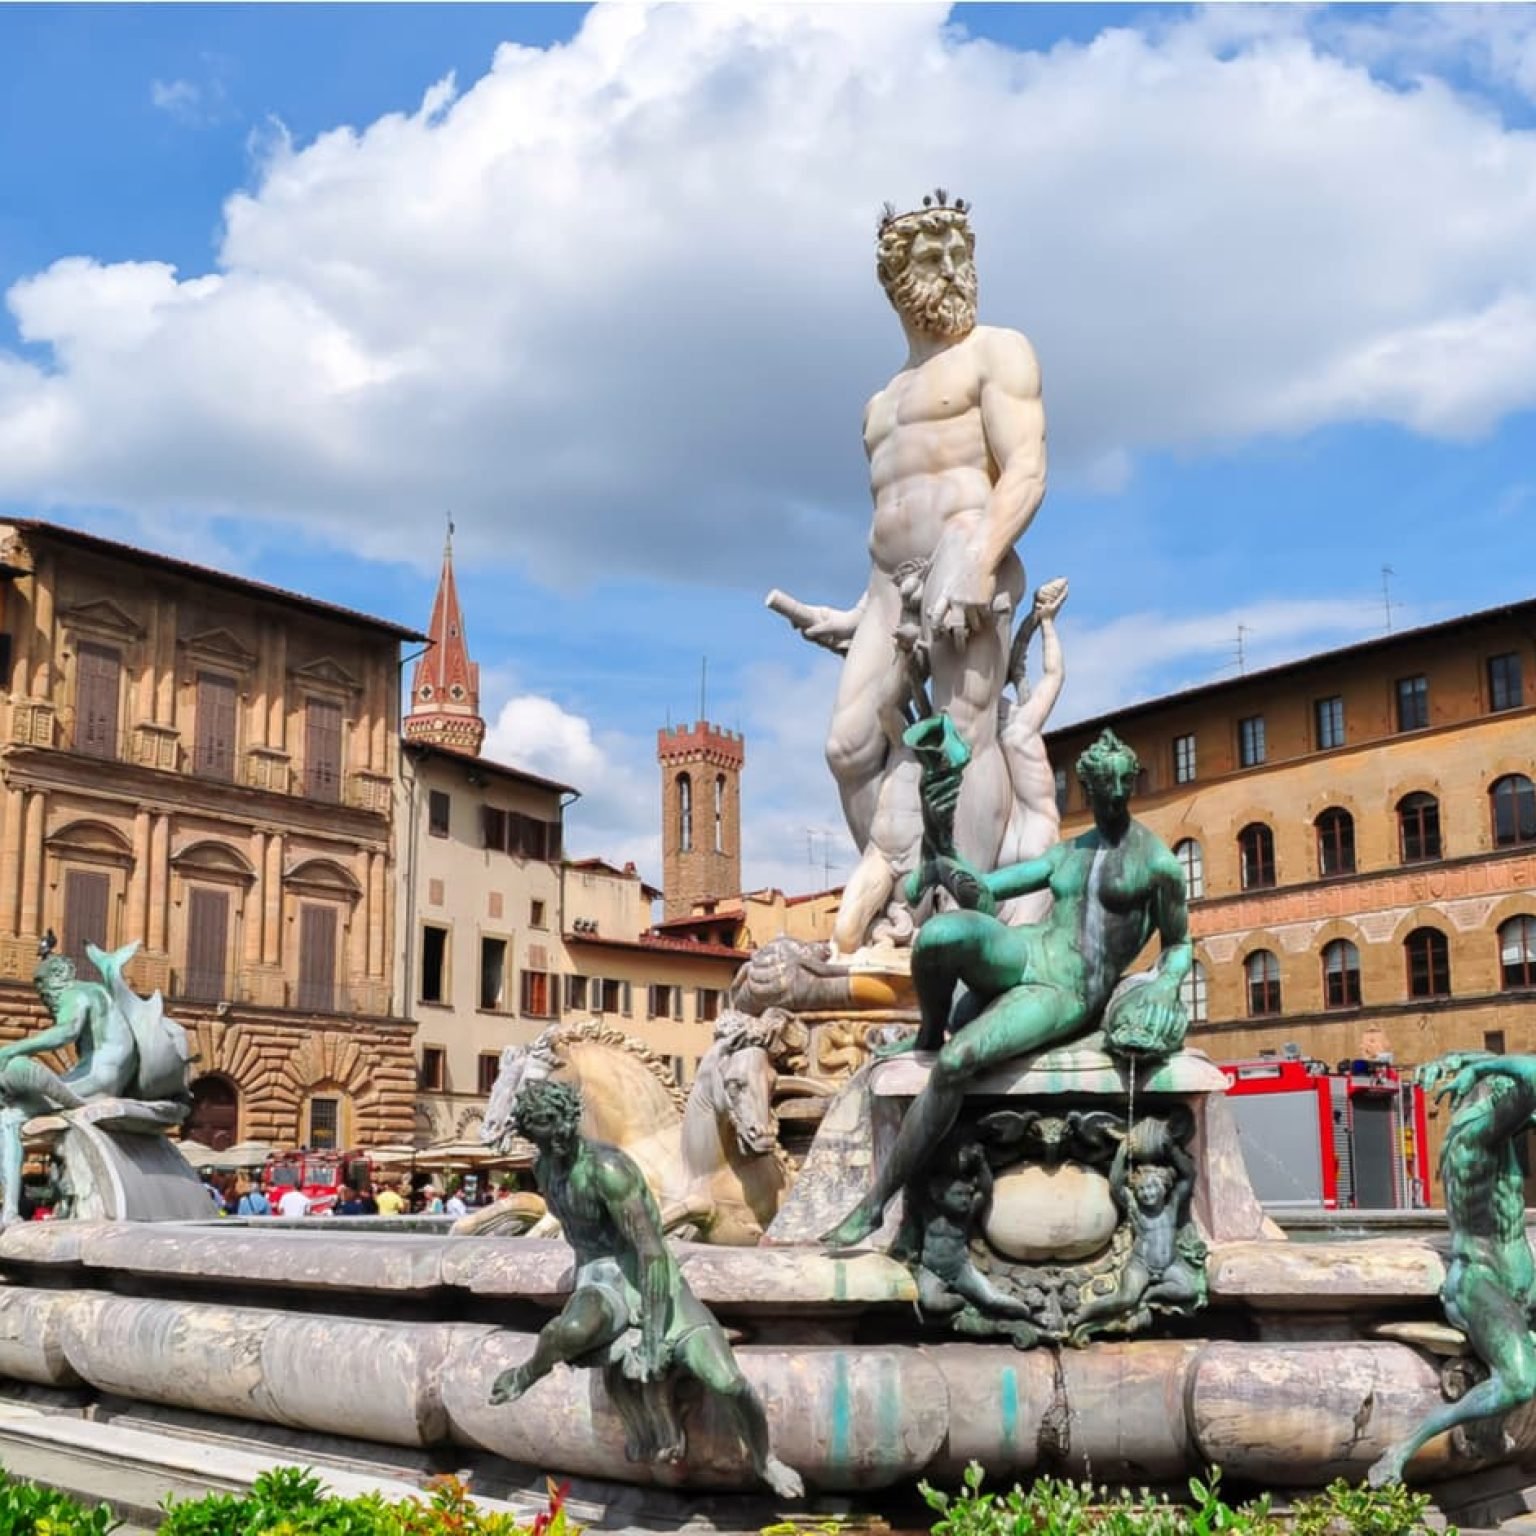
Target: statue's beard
936,306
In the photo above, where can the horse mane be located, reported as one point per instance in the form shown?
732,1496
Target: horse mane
597,1032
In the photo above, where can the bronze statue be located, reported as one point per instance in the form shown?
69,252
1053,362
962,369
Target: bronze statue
125,1048
1027,988
1490,1282
630,1311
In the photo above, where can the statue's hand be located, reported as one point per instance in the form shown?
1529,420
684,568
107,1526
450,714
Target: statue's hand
966,603
1050,598
1149,1020
1464,1075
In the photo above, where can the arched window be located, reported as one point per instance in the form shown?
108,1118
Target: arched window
1517,952
1256,854
1335,842
1418,825
1341,975
1193,994
1429,963
720,813
1192,861
215,1116
684,812
1514,810
1263,972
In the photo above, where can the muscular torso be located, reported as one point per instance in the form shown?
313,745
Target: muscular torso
1485,1191
1102,914
105,1050
928,457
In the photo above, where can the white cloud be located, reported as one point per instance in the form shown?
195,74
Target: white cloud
616,294
180,98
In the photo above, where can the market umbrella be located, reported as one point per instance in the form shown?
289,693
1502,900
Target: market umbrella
244,1154
454,1154
196,1153
393,1155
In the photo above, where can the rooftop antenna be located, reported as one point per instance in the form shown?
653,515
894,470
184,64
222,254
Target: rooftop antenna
703,688
1243,631
448,517
1387,573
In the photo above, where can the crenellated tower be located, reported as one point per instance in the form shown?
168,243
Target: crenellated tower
445,691
700,814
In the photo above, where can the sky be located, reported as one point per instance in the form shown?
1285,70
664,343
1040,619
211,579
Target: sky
286,286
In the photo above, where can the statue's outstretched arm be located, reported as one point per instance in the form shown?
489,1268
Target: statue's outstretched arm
830,627
1173,927
65,1031
1021,879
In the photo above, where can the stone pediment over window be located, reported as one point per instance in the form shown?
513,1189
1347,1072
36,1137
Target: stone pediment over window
211,859
219,648
102,618
323,877
90,840
327,675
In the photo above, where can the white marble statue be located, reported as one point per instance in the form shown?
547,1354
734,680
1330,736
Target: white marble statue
956,446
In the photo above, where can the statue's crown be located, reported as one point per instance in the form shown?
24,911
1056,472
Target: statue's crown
938,198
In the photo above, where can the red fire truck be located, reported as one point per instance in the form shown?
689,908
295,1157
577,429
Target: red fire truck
320,1175
1354,1138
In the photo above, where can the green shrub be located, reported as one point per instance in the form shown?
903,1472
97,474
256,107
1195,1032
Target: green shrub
1056,1507
28,1509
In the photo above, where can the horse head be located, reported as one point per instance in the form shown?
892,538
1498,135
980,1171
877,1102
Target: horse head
747,1078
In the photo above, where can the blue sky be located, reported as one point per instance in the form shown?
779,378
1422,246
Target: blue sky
609,297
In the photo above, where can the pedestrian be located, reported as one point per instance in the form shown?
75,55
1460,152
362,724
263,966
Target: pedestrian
389,1201
253,1202
294,1202
454,1205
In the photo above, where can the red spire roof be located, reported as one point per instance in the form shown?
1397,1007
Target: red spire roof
445,691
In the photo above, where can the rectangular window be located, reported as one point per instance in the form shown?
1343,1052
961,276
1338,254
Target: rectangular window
213,749
317,957
1412,703
87,896
1184,759
1493,1041
322,749
706,1004
537,994
98,678
324,1124
493,973
207,945
1250,741
576,994
434,965
1505,690
439,808
1329,715
664,1002
434,1069
494,825
538,915
1062,784
487,1070
615,997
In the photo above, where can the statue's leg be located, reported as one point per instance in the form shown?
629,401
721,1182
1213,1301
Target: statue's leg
586,1323
706,1355
1496,1328
27,1078
857,745
954,947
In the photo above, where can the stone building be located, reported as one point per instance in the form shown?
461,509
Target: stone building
207,764
499,936
1358,830
700,814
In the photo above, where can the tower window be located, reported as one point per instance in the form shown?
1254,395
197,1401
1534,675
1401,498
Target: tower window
720,813
684,813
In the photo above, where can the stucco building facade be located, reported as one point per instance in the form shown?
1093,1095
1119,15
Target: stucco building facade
1358,831
207,765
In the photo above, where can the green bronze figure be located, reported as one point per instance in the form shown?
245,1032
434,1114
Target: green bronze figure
1031,987
125,1047
1490,1280
630,1310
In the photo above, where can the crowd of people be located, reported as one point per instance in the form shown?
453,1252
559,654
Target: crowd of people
239,1194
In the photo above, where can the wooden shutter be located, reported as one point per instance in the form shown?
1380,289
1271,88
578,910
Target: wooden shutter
86,895
214,752
495,824
555,843
317,957
98,670
322,749
207,944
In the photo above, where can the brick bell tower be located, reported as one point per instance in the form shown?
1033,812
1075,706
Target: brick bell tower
445,691
700,814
